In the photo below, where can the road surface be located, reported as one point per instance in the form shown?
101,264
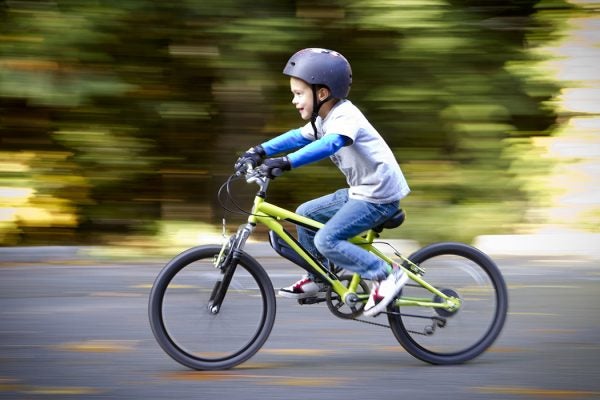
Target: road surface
79,329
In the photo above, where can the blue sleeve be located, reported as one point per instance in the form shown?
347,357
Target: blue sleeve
317,150
284,142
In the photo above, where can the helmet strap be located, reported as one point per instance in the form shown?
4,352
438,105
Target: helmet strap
316,107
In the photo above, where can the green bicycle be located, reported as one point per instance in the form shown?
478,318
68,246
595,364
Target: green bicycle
213,306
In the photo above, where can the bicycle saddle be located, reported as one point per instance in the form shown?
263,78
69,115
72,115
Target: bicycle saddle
395,221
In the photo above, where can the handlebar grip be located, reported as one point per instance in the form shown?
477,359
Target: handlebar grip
276,172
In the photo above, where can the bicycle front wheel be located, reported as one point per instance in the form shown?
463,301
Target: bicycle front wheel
191,330
440,336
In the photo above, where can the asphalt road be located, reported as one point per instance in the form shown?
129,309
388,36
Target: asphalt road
80,330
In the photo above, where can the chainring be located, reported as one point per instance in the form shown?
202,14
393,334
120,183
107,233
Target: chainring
336,304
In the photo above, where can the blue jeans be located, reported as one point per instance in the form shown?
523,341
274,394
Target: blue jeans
345,218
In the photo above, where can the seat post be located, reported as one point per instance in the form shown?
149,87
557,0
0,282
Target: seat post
371,235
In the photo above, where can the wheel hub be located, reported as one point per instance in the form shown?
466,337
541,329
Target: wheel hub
447,312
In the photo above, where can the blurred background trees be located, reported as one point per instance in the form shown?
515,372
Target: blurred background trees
121,118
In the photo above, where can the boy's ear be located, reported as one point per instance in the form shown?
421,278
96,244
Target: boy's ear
323,93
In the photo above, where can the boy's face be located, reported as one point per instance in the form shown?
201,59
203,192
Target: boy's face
302,99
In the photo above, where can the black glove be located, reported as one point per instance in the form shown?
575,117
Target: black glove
273,167
253,156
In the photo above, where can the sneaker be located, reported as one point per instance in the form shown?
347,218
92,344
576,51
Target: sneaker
384,292
304,288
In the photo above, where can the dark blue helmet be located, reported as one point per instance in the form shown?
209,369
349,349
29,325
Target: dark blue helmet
322,67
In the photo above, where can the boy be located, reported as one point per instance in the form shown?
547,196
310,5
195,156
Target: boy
320,81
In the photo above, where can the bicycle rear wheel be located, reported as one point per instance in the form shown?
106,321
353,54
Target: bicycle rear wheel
438,336
194,335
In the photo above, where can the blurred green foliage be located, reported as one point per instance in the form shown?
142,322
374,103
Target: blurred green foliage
117,115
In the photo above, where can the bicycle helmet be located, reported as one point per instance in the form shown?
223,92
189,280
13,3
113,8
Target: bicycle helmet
322,67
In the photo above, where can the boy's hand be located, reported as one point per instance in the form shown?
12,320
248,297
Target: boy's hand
253,156
273,167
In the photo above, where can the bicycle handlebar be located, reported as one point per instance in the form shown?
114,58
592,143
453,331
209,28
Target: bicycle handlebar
255,174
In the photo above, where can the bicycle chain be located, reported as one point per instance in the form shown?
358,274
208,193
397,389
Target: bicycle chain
375,323
384,325
370,323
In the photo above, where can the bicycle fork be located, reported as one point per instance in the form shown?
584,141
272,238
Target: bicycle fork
226,262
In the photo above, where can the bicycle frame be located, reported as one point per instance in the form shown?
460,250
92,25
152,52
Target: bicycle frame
269,215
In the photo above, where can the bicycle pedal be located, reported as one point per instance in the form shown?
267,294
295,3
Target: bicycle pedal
311,300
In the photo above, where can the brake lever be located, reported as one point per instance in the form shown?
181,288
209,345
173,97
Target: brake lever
253,174
249,168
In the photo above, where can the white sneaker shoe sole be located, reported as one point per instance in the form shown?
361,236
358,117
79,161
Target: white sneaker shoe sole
382,305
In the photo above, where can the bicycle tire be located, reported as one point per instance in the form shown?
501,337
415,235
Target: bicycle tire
452,338
180,296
